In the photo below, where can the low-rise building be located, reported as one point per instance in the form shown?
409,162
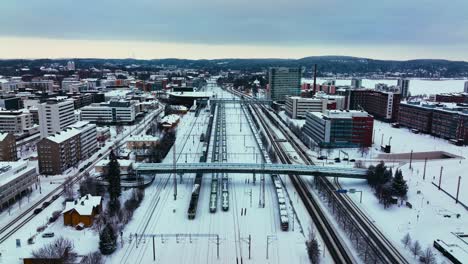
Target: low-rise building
142,141
338,128
102,166
459,98
8,147
169,121
297,107
81,212
15,179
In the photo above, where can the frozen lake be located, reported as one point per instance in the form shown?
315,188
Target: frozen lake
417,86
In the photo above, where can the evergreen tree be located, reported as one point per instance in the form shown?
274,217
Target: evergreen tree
107,240
113,177
399,185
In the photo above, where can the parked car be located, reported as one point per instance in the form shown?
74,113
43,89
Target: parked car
55,197
51,234
45,204
37,210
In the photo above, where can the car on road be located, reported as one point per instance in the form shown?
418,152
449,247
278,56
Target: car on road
51,234
37,210
45,204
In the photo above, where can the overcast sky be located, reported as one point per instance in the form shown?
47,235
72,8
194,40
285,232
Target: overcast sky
398,29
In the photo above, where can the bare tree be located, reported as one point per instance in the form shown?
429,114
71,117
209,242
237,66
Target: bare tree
416,248
61,248
363,150
429,256
93,258
406,240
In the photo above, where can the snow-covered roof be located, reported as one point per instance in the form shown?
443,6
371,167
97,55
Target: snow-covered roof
64,135
143,138
10,170
3,136
122,163
170,119
191,94
84,205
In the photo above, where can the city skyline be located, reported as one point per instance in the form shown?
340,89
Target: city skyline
207,29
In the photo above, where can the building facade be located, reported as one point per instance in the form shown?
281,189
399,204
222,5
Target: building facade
55,115
18,123
88,138
111,112
59,152
297,107
337,128
403,84
16,178
283,82
8,147
416,116
382,105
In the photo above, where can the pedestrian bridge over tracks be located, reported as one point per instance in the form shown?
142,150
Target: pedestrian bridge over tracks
311,170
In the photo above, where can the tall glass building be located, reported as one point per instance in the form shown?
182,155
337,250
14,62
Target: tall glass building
284,82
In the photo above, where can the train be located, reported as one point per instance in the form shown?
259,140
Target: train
282,208
225,193
214,194
192,210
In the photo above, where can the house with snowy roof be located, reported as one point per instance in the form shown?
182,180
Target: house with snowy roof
81,212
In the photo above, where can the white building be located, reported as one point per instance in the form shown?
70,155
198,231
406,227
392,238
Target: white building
15,178
111,112
297,107
403,84
71,65
88,138
42,85
18,123
55,115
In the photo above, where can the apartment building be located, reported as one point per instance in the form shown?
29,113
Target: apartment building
339,128
416,115
403,84
381,104
67,148
88,138
449,121
8,147
19,123
55,114
118,111
15,179
297,107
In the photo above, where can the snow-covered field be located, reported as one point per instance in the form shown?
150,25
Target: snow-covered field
417,86
434,213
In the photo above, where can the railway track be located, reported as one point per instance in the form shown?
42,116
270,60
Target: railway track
21,221
386,251
334,244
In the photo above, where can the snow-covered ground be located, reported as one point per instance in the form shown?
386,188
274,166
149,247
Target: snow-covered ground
160,213
434,213
84,241
417,86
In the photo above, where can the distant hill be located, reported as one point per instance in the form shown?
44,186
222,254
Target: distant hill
326,64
